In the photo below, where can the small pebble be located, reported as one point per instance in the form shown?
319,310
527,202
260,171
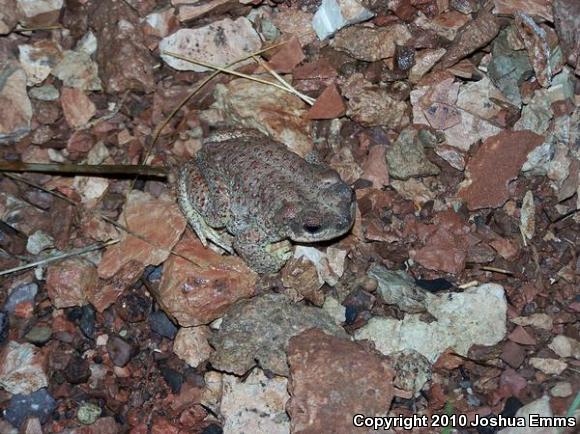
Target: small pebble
120,351
20,294
4,326
562,389
38,404
133,307
77,370
212,429
38,335
173,378
87,321
162,325
88,413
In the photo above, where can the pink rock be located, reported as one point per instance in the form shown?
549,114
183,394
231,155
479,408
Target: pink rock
375,167
68,282
16,112
536,43
287,57
158,223
77,108
106,293
22,368
200,289
322,366
124,61
534,8
8,16
329,105
497,161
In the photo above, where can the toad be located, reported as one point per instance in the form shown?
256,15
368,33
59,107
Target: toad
264,195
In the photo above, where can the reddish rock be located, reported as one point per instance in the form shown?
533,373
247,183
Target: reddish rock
70,281
199,285
534,8
536,43
77,108
124,61
446,245
375,167
287,57
329,105
474,35
107,292
507,249
8,16
513,354
157,222
520,336
497,162
39,13
22,368
567,22
16,112
322,366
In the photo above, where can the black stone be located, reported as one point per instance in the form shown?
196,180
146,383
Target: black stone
173,378
87,321
120,351
212,429
77,370
4,326
511,407
133,307
162,325
434,285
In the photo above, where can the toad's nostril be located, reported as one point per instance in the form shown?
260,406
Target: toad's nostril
311,228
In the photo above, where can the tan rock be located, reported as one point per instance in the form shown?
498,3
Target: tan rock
268,109
22,368
237,39
371,43
39,13
9,16
191,345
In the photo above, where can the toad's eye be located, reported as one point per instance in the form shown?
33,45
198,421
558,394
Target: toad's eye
312,228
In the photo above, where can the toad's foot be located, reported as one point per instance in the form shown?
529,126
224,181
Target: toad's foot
263,258
281,250
194,218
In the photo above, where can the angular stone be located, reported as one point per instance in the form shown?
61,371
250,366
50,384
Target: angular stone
22,368
536,43
77,69
496,162
535,8
333,15
125,63
255,404
39,404
16,112
38,59
476,316
8,16
156,220
36,13
474,35
373,106
407,159
77,107
191,345
258,331
371,43
329,105
268,109
198,285
322,366
236,39
399,289
70,281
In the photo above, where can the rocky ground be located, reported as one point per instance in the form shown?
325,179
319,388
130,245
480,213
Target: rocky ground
456,293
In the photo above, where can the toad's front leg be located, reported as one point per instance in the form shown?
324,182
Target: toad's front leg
199,206
261,256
